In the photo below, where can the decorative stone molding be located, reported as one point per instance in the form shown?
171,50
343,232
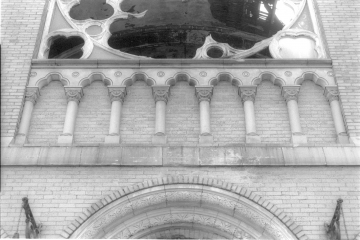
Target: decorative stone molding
290,93
170,201
117,93
204,93
32,94
161,93
247,93
87,48
296,43
331,93
74,94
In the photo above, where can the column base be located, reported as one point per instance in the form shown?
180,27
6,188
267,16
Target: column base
112,139
355,140
159,139
252,138
206,139
20,140
342,138
65,139
298,138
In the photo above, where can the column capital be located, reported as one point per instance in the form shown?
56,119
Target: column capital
247,93
161,93
117,93
290,92
74,94
204,93
331,93
32,94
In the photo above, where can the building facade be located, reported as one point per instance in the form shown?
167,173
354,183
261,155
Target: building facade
180,119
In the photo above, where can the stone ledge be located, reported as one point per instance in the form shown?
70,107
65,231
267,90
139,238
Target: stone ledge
180,156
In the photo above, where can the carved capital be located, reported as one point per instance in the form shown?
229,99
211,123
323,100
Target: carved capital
290,93
204,93
74,94
331,93
247,93
32,94
161,93
117,93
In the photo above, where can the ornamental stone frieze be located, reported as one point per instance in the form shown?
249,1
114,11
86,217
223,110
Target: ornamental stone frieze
247,93
331,93
198,73
117,93
74,94
32,94
161,93
290,93
204,93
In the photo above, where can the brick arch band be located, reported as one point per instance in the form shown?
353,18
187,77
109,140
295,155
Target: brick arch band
184,207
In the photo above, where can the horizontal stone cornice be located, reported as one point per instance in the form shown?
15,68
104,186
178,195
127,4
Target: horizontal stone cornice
181,156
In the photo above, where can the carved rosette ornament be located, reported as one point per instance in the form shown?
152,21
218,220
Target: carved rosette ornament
74,94
290,93
32,95
161,93
247,93
117,94
331,93
204,93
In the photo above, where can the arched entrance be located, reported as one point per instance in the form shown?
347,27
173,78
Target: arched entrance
184,208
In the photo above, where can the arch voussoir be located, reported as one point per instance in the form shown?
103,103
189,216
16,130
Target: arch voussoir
183,198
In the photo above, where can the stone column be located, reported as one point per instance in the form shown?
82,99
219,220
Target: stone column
247,94
117,96
31,95
161,96
73,95
290,93
332,94
204,94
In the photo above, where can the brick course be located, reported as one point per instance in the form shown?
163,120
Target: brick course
92,122
20,20
343,37
138,114
227,114
49,110
272,119
182,115
315,114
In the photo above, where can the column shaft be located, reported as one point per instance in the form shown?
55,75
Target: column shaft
160,118
205,118
249,117
26,118
70,118
115,117
294,116
337,116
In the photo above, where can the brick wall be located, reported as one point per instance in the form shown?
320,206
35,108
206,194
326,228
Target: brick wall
58,195
182,115
138,114
341,26
93,119
20,20
227,114
315,114
49,110
272,119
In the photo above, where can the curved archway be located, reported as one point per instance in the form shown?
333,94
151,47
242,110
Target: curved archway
54,76
312,77
181,208
268,76
224,76
139,76
182,76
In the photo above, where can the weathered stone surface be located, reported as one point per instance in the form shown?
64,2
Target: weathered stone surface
60,156
175,156
141,156
342,155
304,156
